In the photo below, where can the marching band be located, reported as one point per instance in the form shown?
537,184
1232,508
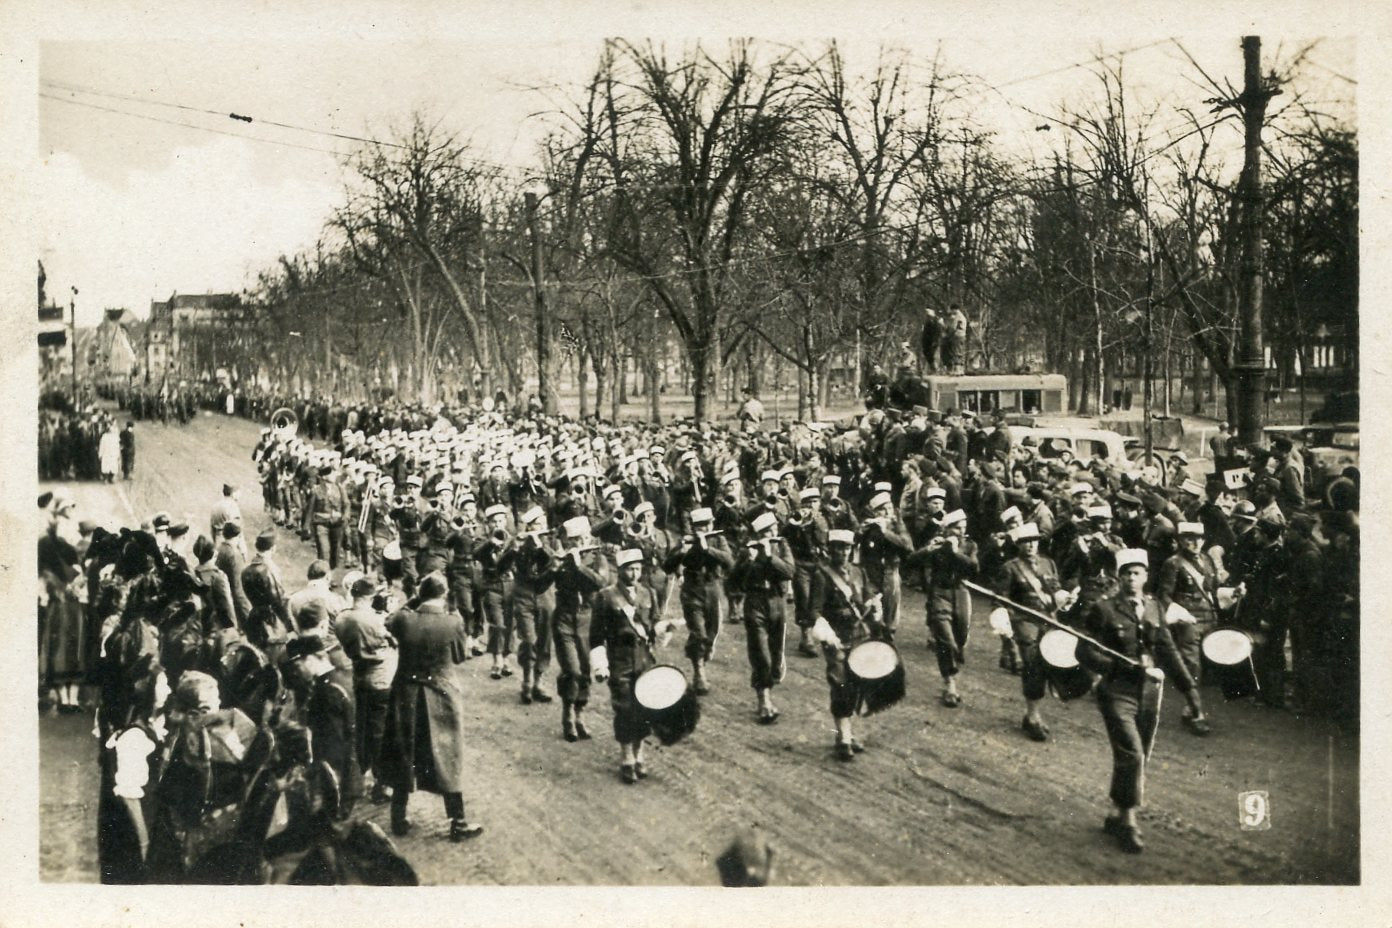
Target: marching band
593,545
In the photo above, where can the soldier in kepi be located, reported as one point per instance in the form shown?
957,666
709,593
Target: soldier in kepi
1131,624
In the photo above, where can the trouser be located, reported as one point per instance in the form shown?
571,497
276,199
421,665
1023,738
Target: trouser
461,593
1131,714
1032,679
328,536
454,805
765,631
844,693
497,608
703,607
950,625
803,572
409,576
1269,661
127,465
630,724
885,581
352,543
1188,636
373,708
572,640
532,614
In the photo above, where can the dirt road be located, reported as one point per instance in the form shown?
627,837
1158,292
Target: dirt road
942,796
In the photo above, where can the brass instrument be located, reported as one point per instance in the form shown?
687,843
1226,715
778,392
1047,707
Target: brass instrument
835,504
284,423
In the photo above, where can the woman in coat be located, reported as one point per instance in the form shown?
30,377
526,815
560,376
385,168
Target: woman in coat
424,744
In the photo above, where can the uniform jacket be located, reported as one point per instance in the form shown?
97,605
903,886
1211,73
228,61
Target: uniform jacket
1113,622
627,641
1190,582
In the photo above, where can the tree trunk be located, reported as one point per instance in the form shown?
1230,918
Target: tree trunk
701,355
582,378
619,395
600,362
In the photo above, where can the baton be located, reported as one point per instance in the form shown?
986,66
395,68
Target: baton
1048,621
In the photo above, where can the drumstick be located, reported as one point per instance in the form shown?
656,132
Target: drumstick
1049,621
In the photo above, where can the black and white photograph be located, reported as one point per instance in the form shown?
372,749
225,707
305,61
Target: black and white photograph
800,454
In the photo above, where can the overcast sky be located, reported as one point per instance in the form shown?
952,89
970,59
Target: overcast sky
134,209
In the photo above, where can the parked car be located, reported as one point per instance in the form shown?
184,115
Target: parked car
1075,443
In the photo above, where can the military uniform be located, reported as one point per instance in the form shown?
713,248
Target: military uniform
1030,582
703,599
623,625
1128,698
762,579
839,596
533,611
880,551
575,587
949,602
1191,582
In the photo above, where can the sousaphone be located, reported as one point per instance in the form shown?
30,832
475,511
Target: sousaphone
284,423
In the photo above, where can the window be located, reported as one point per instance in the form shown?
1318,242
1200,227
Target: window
1031,401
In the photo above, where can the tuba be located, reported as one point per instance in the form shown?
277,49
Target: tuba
284,423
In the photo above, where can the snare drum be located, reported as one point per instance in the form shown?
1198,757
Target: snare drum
1227,661
391,561
878,674
668,702
1067,678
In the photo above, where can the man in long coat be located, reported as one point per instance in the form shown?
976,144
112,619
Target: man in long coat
424,745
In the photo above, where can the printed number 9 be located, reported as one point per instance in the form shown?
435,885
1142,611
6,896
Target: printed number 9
1254,810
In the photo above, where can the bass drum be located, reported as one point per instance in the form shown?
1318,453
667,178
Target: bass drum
667,701
879,676
1067,678
1227,661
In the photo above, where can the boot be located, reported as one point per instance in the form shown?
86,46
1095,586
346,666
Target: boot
568,721
698,678
805,646
1010,656
581,732
526,686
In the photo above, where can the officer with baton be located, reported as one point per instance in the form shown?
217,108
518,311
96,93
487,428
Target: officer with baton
1132,652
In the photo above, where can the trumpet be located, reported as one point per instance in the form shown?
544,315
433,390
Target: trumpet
499,537
619,516
835,504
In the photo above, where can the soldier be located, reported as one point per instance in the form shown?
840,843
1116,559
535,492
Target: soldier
128,450
833,508
268,623
703,557
426,694
406,513
533,603
762,574
1132,624
362,631
806,534
1089,561
1186,589
949,558
883,541
495,555
1032,580
622,637
577,577
231,560
845,613
330,713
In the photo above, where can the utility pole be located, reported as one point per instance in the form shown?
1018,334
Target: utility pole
546,390
1249,365
72,345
